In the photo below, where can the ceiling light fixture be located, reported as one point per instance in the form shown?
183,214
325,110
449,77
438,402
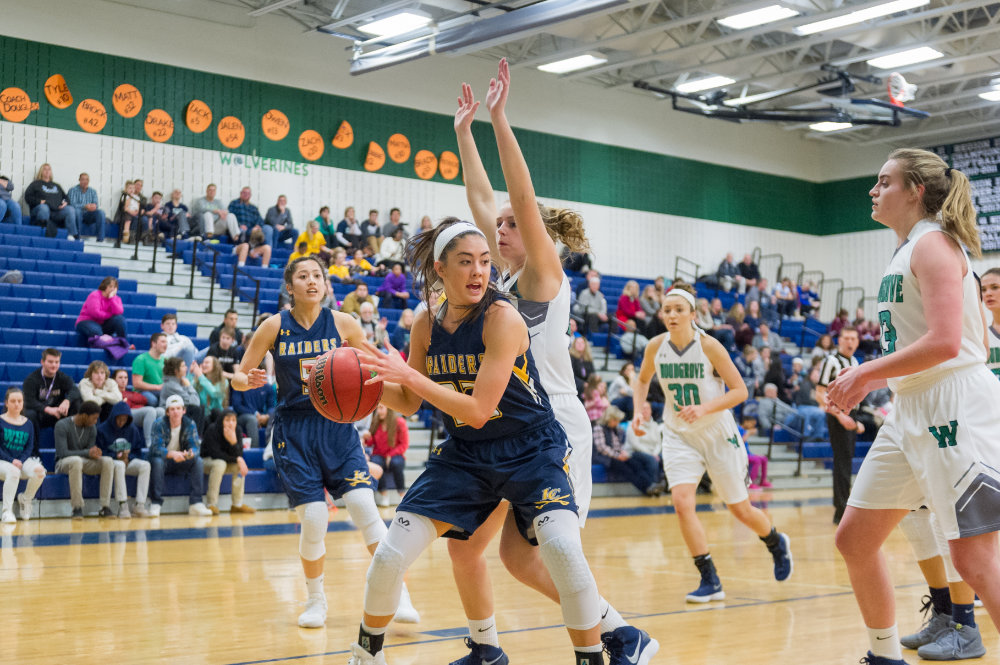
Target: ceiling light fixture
829,126
859,16
572,64
991,96
757,17
397,24
707,83
908,57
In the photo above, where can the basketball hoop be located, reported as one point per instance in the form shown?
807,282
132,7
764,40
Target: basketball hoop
899,90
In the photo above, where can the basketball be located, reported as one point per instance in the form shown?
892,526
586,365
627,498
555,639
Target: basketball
337,386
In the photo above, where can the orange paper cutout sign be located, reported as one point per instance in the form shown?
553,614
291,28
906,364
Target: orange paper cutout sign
91,116
231,132
275,125
376,157
344,136
311,145
15,105
448,165
425,163
159,125
127,100
399,148
57,92
197,116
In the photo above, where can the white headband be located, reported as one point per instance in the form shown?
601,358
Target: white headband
449,234
683,294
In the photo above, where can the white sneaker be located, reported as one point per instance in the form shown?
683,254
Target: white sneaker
199,509
154,510
361,657
382,499
406,613
8,517
123,511
25,507
139,510
314,615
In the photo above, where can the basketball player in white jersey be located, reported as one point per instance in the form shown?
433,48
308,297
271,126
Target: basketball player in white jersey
700,434
990,284
938,447
522,235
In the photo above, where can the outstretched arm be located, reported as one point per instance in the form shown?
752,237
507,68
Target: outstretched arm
478,190
542,268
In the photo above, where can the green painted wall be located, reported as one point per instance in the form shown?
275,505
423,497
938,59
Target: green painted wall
561,167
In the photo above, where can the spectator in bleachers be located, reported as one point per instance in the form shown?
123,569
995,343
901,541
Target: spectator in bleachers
301,249
824,345
98,387
374,328
786,297
49,393
215,218
736,319
400,337
176,382
278,228
175,449
255,409
326,227
648,447
137,184
349,231
760,366
582,361
222,453
426,223
776,375
339,271
84,199
868,333
230,320
147,369
154,219
808,299
226,351
127,213
728,275
765,337
768,304
352,301
49,204
255,247
247,214
773,411
721,329
178,345
17,446
359,264
390,227
744,364
390,437
641,469
807,404
749,276
757,473
371,232
751,316
121,440
393,250
314,239
620,390
143,415
102,313
176,214
703,315
591,309
393,292
213,388
650,301
10,210
77,453
842,319
595,397
629,310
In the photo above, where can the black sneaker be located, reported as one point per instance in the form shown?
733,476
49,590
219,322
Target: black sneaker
106,512
78,513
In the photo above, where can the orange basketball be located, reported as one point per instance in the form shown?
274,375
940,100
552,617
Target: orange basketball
337,386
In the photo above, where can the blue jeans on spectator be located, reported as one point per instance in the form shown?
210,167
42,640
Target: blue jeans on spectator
42,214
625,404
284,236
114,326
726,337
152,398
187,355
200,355
395,466
10,211
642,470
810,420
89,218
193,468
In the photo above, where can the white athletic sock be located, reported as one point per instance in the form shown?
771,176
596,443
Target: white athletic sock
610,619
315,585
885,642
372,631
593,649
484,631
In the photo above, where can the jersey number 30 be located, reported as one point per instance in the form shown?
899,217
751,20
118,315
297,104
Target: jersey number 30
685,394
888,340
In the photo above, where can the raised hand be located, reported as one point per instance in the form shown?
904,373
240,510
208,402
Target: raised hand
467,107
388,366
496,97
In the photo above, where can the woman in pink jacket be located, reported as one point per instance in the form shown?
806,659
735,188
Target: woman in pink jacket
102,313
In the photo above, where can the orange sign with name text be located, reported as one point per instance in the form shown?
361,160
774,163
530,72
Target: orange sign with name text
197,116
344,136
448,165
399,148
57,92
275,125
231,132
159,125
425,163
127,100
15,105
91,116
311,144
375,158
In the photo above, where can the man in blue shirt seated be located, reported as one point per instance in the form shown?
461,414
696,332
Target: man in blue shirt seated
246,213
84,198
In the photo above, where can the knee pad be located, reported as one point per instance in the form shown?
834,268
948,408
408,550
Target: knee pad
314,519
558,533
916,526
361,507
408,536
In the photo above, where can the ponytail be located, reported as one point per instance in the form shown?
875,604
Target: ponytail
566,226
946,191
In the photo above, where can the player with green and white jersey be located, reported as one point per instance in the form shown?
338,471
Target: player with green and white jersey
990,284
700,435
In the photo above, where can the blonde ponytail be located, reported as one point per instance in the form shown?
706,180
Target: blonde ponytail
566,226
946,191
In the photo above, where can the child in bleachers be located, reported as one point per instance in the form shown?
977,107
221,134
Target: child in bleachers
128,210
595,397
213,388
96,386
339,271
17,441
359,265
758,463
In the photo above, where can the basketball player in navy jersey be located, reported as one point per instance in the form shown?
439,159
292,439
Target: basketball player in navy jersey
522,235
469,357
310,452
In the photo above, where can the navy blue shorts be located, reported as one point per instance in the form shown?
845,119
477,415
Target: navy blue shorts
465,480
311,452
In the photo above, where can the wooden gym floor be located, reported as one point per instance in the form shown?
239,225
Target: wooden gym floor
227,590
